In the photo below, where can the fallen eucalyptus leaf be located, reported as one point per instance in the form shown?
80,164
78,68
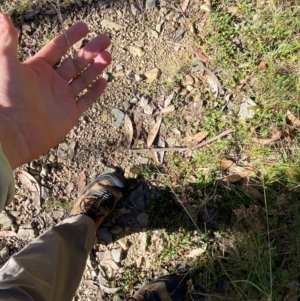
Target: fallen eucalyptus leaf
226,164
292,118
31,184
81,181
200,55
168,109
153,132
196,138
128,130
265,141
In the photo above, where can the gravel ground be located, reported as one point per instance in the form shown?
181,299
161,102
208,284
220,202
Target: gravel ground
144,37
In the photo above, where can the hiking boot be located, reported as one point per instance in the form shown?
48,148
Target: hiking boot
100,197
166,288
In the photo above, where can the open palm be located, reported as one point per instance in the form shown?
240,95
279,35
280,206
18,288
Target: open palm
39,105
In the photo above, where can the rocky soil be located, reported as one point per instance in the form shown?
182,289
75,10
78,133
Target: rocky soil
151,48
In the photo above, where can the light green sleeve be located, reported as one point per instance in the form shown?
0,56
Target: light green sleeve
7,182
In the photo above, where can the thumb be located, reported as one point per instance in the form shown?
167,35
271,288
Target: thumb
8,37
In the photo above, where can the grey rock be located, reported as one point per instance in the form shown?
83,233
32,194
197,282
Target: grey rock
58,214
119,118
171,141
45,192
150,4
152,75
104,255
116,229
140,44
143,219
26,27
143,160
116,254
5,221
4,253
197,65
31,15
119,67
137,198
136,51
137,77
108,169
104,234
110,24
45,170
50,12
179,35
62,152
26,232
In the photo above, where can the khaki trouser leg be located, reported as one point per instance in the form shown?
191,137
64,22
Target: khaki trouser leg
51,266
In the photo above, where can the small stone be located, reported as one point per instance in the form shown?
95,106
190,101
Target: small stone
31,15
51,158
137,77
127,105
14,213
110,24
188,80
134,100
119,74
58,214
197,65
150,4
136,51
179,35
140,44
45,192
119,118
62,152
105,75
4,253
170,16
50,12
206,8
26,27
137,198
158,26
119,67
152,75
116,254
26,232
108,169
103,255
69,188
116,229
123,242
154,33
143,219
44,171
171,141
104,234
189,88
5,221
143,160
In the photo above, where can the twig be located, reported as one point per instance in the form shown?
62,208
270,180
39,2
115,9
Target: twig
182,149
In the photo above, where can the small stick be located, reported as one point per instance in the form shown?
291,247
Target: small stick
182,149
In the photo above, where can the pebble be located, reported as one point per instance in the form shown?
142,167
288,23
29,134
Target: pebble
116,254
197,65
103,255
104,234
4,253
150,4
119,67
137,78
110,24
116,229
136,51
152,75
179,35
45,170
140,43
137,198
26,232
45,192
119,118
123,242
187,80
154,33
58,214
143,219
171,141
5,221
143,160
62,152
26,27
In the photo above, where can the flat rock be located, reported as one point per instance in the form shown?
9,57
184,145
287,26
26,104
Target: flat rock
104,234
26,232
116,254
136,51
179,35
154,33
103,255
143,219
123,242
110,24
118,118
45,192
150,4
152,75
5,221
143,160
62,152
116,229
137,198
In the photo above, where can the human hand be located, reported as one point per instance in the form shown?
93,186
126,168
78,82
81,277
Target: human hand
38,105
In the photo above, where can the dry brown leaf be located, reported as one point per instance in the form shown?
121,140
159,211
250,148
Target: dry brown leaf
241,174
30,183
287,135
200,55
168,109
196,138
128,131
81,181
7,234
184,5
253,192
262,65
292,118
226,164
153,132
196,252
265,141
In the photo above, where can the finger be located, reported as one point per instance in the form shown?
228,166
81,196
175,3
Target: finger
59,46
95,68
86,100
70,67
8,38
